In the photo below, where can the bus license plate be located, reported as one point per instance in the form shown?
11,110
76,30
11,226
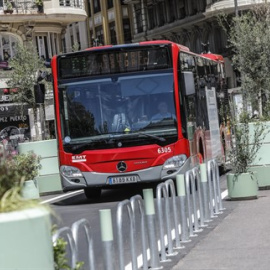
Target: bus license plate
122,179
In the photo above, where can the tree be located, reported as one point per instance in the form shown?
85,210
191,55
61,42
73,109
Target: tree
249,39
26,67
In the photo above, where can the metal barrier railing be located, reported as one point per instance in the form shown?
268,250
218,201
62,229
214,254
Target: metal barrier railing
198,200
120,208
214,188
76,226
162,195
138,201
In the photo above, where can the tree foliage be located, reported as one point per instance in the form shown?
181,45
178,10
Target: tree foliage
26,65
249,41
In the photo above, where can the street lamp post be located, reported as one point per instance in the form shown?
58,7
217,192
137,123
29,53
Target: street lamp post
236,7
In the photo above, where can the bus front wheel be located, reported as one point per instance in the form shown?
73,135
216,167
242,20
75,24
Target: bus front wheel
92,193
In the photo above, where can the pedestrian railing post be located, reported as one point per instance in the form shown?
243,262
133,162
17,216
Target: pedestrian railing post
107,238
210,177
75,232
162,195
221,208
205,194
181,192
189,179
137,200
149,205
197,177
213,178
171,189
194,202
121,205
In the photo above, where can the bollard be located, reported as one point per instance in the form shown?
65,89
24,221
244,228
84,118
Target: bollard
75,232
206,207
107,238
197,177
171,188
70,240
181,192
151,226
137,200
121,205
188,179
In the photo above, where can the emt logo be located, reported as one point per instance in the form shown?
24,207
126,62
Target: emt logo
81,158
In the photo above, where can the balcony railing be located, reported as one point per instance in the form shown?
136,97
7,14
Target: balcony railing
71,3
30,7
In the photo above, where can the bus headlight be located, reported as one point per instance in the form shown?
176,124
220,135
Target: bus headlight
175,162
70,171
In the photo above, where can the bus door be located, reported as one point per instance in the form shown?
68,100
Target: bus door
187,90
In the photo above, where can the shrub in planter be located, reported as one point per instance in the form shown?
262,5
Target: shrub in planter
24,224
244,151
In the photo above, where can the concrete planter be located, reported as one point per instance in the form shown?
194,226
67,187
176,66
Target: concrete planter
26,241
49,178
242,187
263,175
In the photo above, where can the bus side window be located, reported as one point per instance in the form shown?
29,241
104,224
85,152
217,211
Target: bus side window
187,98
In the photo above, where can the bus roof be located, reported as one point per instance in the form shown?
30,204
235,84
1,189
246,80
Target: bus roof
142,43
215,57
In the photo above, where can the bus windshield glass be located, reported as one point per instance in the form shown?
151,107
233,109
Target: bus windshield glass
120,110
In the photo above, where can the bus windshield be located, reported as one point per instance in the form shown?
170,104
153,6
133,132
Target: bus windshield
118,110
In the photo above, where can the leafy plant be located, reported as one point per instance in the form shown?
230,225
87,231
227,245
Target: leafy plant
8,5
60,259
11,181
246,143
28,165
39,2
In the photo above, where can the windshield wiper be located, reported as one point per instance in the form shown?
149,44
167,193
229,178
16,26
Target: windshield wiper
78,147
151,136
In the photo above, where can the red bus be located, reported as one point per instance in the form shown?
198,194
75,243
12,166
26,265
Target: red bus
135,113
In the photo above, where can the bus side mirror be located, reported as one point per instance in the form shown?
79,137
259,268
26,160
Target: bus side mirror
188,83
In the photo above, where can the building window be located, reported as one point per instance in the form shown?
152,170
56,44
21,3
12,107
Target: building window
42,46
7,46
99,35
161,10
97,6
113,33
127,31
151,17
64,46
138,14
110,3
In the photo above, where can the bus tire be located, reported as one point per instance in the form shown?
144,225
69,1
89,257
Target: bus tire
92,193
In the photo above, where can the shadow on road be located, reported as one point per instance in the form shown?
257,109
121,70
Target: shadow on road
108,195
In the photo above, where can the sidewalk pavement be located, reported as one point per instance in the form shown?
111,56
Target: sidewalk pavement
240,241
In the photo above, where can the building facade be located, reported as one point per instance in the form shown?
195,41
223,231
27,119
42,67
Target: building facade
109,22
46,27
188,22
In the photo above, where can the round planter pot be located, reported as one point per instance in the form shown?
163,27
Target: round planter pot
242,187
26,241
29,190
263,175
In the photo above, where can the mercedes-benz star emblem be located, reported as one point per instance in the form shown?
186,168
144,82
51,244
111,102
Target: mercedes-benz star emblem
121,166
